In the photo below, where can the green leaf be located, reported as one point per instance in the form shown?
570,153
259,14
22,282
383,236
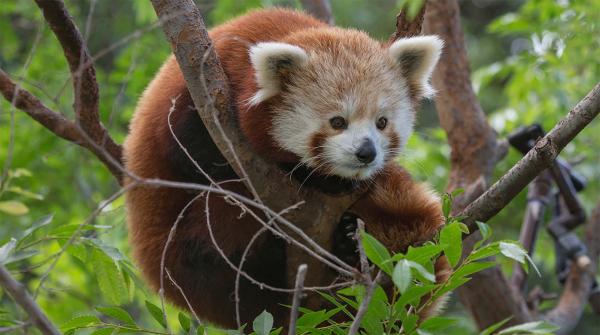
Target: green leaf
435,324
25,193
471,268
80,322
117,313
485,230
184,321
457,192
413,293
376,253
513,251
451,286
311,319
104,331
536,327
422,254
451,242
157,313
263,323
109,277
489,330
402,275
7,249
463,227
44,221
446,205
13,207
422,271
485,252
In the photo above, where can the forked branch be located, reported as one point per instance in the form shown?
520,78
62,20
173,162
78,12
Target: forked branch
87,130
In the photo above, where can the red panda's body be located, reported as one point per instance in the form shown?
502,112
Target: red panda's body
396,210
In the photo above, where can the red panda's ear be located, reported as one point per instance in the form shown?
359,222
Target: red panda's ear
272,63
417,57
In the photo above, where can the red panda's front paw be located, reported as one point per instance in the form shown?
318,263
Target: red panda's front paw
400,212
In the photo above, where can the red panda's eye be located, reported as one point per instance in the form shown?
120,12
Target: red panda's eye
381,123
338,122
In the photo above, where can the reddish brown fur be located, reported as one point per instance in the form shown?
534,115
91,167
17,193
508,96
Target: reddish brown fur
397,211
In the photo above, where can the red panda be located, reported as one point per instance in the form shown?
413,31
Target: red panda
330,101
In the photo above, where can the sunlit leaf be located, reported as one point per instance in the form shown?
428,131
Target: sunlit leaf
109,277
536,327
157,313
80,322
377,253
6,250
491,329
451,242
263,323
117,313
13,207
402,275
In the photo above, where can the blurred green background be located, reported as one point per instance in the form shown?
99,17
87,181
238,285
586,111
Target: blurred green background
531,62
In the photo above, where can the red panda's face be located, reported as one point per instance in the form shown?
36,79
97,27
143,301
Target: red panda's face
345,105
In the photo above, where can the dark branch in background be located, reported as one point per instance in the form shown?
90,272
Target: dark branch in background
82,72
208,87
321,9
473,144
571,304
17,291
474,153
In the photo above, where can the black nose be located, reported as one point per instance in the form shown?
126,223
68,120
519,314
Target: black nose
366,152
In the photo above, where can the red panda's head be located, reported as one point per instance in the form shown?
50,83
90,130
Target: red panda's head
344,102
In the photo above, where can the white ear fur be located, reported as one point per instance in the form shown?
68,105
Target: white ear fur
417,57
270,61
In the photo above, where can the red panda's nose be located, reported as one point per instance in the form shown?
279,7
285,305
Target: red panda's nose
366,152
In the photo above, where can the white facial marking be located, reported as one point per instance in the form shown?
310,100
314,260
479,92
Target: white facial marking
293,129
342,148
359,85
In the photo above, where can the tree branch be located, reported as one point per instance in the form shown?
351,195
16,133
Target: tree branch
208,87
459,111
321,9
474,153
407,27
574,297
17,291
538,159
82,72
55,122
87,131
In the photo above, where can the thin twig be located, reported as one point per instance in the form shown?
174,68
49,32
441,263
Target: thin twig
187,302
18,292
300,276
364,304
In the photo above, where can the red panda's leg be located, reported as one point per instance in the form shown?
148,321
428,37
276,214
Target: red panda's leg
400,212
